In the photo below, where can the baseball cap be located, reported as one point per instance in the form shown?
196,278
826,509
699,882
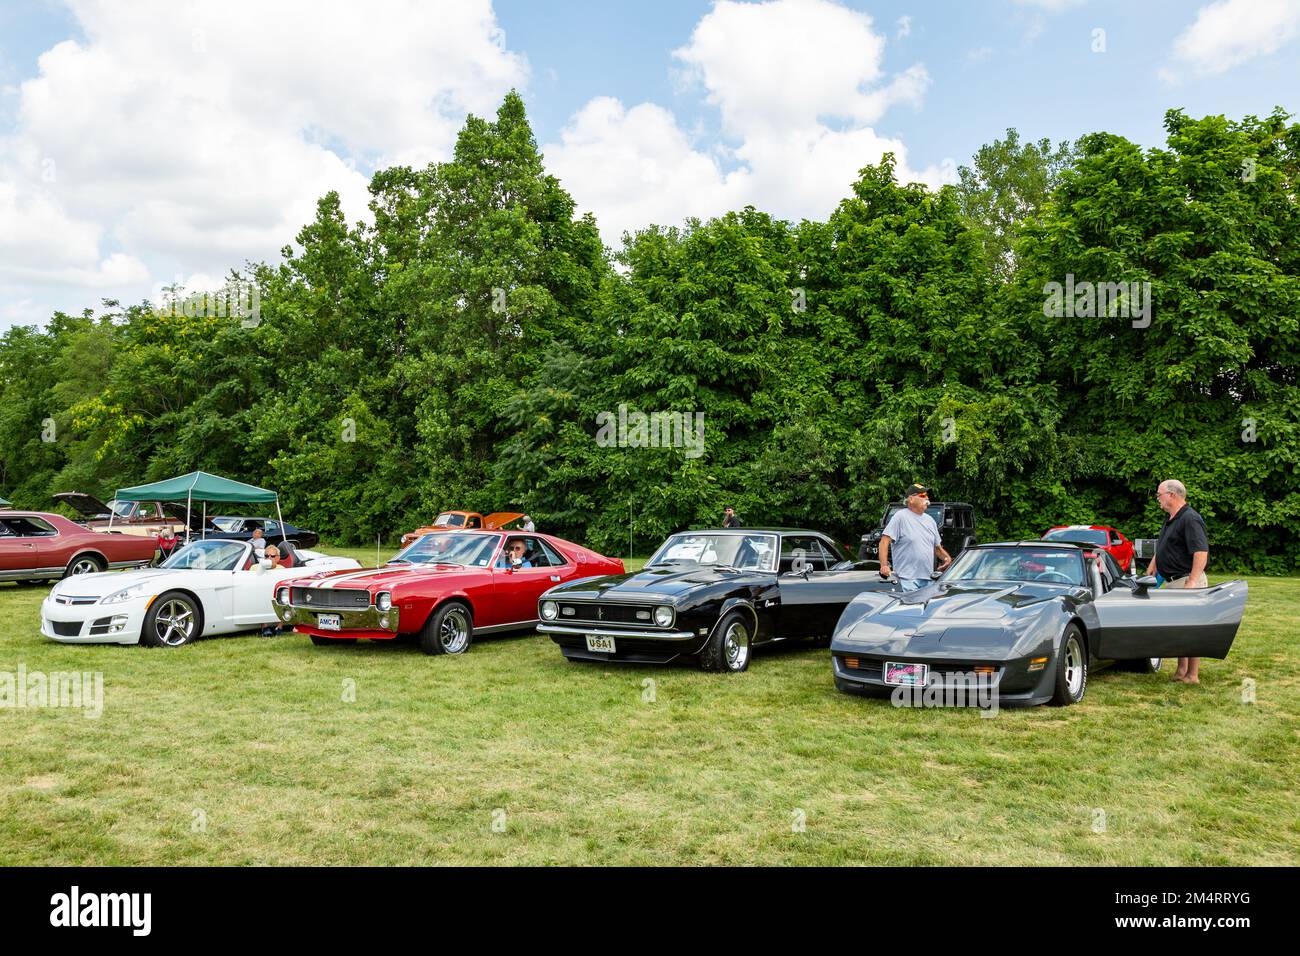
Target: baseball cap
917,490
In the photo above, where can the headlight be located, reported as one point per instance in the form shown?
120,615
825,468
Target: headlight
282,595
384,600
550,610
663,615
126,594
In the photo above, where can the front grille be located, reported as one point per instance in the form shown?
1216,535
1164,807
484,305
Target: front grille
330,598
66,628
608,613
73,599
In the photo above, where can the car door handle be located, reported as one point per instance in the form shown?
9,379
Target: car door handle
555,577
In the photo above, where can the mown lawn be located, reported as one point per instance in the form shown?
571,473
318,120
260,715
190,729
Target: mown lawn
244,750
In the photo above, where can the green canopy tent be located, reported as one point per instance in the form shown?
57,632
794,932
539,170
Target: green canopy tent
202,487
5,503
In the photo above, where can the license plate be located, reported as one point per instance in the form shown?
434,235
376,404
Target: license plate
600,643
907,674
329,622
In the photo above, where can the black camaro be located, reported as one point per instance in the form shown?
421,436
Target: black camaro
712,595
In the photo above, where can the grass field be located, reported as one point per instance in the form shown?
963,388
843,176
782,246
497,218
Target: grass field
245,750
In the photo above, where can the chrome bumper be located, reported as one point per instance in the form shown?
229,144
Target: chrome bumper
567,630
351,619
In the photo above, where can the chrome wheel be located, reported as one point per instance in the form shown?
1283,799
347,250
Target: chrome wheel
453,635
84,566
735,646
1074,667
174,624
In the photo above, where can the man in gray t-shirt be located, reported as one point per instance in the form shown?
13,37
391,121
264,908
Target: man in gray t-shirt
911,539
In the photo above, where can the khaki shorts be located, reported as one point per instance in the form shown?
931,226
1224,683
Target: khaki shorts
1187,582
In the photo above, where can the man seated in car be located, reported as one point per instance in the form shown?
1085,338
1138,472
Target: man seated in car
514,555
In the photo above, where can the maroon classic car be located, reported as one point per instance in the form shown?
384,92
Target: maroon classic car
445,588
36,546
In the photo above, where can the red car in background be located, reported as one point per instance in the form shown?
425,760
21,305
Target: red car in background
38,546
445,588
1099,535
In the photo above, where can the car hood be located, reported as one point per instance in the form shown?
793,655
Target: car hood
84,504
662,583
108,582
388,576
929,616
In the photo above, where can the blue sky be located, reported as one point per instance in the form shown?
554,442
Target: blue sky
172,140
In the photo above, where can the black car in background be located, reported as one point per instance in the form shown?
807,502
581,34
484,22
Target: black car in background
711,595
232,528
956,521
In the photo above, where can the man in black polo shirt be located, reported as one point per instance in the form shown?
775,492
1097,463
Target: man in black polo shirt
1182,551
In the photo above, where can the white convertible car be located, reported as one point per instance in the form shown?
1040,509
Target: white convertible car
208,587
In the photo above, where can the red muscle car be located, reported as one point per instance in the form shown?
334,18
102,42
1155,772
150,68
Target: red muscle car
37,546
446,587
1097,535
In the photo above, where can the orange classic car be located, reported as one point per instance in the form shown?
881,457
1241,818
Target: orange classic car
467,520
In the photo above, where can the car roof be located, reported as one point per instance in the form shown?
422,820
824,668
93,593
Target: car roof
1036,543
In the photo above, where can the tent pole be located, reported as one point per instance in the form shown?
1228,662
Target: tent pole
189,504
280,518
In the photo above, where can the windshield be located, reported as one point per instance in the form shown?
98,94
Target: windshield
744,552
466,549
447,519
934,511
1082,535
1050,565
228,524
121,508
208,556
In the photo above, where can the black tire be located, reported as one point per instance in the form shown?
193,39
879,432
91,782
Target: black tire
730,647
1071,669
83,564
449,630
173,620
330,641
1143,665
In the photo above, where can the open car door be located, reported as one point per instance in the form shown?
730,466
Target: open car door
1136,622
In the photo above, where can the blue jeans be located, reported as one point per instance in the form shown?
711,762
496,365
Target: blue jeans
913,584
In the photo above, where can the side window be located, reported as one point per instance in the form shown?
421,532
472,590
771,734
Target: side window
474,523
545,556
32,527
270,527
798,551
1114,537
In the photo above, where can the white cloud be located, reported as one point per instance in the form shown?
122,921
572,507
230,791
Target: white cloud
190,137
904,27
799,121
1231,32
1051,6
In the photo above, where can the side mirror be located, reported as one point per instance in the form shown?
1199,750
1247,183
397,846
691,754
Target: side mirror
1144,584
935,575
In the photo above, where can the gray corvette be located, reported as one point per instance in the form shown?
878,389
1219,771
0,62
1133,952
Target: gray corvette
1029,618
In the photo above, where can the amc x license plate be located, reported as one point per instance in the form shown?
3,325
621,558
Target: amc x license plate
329,622
600,643
905,674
